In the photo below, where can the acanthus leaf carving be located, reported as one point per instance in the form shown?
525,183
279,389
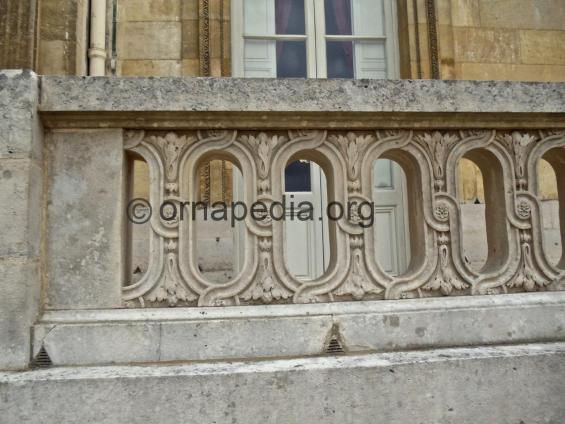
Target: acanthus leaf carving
267,289
357,284
263,145
170,289
267,284
438,145
519,144
444,279
352,146
171,147
527,278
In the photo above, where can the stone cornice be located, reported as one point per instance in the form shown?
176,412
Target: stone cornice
258,103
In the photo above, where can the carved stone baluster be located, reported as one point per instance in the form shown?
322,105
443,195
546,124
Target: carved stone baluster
358,284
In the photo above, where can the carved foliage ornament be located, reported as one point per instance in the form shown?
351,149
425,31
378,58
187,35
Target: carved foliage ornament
174,280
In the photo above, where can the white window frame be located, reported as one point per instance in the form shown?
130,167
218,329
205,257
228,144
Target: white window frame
316,39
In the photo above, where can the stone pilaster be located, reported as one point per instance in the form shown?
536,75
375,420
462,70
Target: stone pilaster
21,186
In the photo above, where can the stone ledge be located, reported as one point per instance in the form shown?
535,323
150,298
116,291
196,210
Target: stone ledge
253,332
88,94
502,384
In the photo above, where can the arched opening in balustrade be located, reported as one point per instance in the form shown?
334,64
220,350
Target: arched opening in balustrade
481,196
138,227
218,232
308,232
551,191
398,211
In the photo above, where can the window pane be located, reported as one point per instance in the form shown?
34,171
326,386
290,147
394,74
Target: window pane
260,59
359,59
289,17
297,176
259,17
340,59
383,174
367,17
291,59
370,59
338,17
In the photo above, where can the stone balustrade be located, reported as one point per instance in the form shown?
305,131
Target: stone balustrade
508,160
90,125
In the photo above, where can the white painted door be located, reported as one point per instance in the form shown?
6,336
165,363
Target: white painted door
389,195
307,242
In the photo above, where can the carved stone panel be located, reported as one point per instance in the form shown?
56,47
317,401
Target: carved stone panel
516,261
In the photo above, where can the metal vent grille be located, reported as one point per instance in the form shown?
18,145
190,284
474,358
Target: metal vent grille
42,360
334,347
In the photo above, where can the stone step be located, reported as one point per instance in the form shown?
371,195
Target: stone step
495,384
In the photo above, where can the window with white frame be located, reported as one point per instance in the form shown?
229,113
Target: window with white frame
314,39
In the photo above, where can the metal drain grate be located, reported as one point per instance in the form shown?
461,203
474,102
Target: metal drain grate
42,360
334,347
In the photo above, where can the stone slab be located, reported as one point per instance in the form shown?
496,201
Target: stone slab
498,384
149,10
546,47
19,123
88,94
85,219
254,332
21,196
19,304
532,14
20,214
149,40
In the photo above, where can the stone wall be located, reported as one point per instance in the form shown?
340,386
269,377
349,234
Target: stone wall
502,39
173,37
21,182
62,37
17,34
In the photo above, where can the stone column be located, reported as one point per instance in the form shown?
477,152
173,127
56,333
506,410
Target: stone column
21,190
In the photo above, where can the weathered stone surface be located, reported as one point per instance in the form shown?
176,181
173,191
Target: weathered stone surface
510,72
19,306
19,124
523,14
542,47
21,187
190,39
62,37
464,13
190,9
85,219
503,385
261,95
149,40
20,213
486,45
17,33
138,341
149,10
149,68
253,332
51,61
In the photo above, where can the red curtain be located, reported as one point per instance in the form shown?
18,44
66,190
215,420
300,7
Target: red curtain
342,13
283,8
